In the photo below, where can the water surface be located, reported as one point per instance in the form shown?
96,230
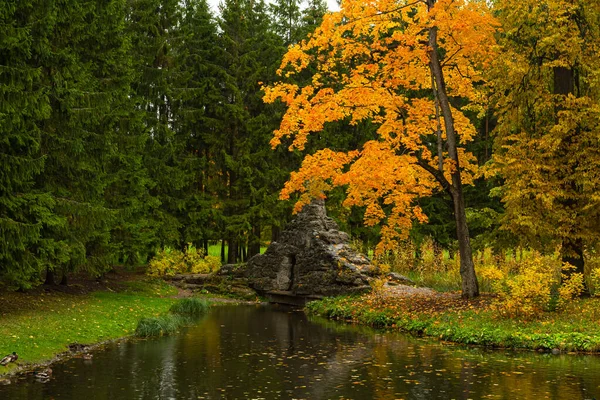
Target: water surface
262,352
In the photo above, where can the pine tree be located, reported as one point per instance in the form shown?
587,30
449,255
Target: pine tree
153,26
196,100
85,74
312,16
24,211
287,20
251,53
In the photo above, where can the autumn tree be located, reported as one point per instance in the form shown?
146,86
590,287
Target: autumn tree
401,65
548,148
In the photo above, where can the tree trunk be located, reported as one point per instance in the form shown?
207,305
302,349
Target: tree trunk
470,287
232,251
275,233
254,240
64,280
222,250
49,277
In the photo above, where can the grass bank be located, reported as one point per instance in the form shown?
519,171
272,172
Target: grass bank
449,318
40,325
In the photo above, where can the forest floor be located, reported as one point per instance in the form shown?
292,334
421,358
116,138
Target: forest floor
53,321
448,317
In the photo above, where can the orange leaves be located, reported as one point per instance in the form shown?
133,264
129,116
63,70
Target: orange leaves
316,175
370,61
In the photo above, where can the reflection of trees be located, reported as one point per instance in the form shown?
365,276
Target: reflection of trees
235,352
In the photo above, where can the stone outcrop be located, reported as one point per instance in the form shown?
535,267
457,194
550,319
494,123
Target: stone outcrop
312,257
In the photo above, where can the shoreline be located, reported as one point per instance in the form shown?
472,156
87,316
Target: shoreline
474,324
47,326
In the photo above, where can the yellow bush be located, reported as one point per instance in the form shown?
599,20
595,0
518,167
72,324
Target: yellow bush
595,282
489,275
528,293
571,287
206,265
400,260
169,262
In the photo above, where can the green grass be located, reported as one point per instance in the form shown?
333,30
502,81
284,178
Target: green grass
181,313
576,328
50,322
215,250
192,307
165,324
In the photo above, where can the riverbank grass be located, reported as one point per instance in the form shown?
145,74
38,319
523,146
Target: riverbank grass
181,313
576,328
46,323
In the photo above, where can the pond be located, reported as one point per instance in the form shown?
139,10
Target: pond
266,352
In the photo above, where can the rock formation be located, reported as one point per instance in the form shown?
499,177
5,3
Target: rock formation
312,257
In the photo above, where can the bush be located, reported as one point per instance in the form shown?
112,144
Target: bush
528,292
169,262
595,282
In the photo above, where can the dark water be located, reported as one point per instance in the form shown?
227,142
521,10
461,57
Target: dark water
247,352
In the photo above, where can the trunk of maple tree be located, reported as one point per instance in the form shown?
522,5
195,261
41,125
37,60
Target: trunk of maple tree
470,287
572,248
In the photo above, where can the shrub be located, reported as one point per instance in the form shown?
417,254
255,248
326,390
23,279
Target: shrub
595,282
169,262
572,285
527,293
489,275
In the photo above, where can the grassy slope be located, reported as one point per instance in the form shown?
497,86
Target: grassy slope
52,321
574,329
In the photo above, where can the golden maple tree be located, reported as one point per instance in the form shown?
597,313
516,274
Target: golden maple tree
397,64
547,85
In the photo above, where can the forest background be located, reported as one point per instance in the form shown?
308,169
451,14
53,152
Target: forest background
131,126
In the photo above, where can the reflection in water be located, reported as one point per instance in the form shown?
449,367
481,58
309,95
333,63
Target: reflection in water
248,352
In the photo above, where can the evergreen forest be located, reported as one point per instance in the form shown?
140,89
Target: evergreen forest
131,126
128,126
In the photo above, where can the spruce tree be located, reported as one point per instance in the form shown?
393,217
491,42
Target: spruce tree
24,211
251,53
196,100
86,77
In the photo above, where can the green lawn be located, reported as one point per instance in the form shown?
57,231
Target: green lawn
52,321
215,250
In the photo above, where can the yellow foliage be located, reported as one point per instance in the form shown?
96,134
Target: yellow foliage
595,282
527,294
547,135
489,275
169,262
378,287
572,285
